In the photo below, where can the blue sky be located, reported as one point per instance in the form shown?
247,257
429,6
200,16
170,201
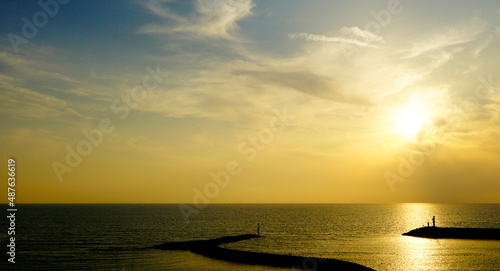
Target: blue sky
367,82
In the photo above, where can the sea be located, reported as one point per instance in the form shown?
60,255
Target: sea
121,236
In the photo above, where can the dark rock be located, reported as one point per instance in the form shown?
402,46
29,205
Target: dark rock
456,233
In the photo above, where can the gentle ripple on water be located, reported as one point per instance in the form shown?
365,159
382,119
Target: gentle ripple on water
117,237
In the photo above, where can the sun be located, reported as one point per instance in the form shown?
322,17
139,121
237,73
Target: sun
410,122
412,117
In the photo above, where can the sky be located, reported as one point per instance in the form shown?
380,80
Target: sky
158,101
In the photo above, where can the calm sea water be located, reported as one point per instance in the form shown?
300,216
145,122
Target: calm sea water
117,237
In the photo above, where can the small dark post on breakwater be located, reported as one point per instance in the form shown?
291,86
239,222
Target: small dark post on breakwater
258,229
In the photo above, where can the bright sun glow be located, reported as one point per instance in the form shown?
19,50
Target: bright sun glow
409,119
410,122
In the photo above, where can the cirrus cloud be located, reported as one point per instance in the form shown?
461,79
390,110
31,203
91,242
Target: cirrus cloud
351,35
212,19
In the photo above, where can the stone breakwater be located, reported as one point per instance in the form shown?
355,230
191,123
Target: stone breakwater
210,248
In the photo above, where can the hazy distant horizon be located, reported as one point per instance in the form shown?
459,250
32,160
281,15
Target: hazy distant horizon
270,203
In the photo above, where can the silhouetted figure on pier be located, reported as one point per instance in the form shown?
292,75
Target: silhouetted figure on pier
427,223
433,221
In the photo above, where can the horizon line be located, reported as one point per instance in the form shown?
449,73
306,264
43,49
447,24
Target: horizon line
248,203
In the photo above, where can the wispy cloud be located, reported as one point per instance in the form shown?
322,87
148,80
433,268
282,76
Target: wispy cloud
357,32
305,82
461,34
213,18
351,35
157,7
41,82
480,48
25,102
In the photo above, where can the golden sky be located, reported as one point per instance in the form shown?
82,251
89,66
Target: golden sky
252,102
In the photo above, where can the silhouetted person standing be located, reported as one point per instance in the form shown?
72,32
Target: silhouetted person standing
433,221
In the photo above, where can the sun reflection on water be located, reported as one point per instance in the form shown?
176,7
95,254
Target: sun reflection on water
418,253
